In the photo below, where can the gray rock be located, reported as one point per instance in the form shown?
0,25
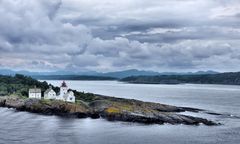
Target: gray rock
119,110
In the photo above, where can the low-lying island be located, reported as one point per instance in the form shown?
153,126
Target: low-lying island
110,108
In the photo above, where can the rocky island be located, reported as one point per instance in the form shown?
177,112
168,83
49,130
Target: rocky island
112,109
97,106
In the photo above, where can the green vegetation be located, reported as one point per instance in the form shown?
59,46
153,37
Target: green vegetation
86,97
20,84
46,101
223,78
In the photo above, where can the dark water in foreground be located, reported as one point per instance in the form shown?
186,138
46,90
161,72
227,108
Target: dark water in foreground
23,127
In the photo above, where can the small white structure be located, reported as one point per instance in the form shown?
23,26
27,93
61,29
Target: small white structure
35,93
65,94
50,94
69,97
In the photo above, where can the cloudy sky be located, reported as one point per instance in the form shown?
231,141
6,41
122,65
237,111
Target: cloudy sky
109,35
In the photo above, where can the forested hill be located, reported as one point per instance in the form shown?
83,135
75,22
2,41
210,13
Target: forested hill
20,84
223,78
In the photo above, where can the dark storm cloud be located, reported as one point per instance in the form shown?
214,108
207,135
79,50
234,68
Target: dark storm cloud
132,26
174,35
187,33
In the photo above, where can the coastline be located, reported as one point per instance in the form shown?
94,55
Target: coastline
109,108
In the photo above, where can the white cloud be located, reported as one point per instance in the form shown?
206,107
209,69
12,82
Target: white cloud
174,35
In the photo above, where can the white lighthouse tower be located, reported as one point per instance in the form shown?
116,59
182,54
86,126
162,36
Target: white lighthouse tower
65,94
63,89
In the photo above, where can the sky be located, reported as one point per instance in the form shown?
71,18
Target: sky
109,35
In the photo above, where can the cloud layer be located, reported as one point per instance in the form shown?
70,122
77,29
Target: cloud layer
174,35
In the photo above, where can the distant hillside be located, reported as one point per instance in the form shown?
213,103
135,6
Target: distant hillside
127,73
135,72
118,74
97,75
71,77
28,73
223,78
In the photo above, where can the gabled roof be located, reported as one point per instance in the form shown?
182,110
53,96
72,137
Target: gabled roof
48,90
68,94
64,84
35,90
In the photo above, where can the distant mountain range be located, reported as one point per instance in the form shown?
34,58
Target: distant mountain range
229,78
134,72
116,74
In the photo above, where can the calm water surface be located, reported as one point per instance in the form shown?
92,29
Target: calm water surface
23,127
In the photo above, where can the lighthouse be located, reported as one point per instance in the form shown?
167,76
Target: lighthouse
65,94
63,89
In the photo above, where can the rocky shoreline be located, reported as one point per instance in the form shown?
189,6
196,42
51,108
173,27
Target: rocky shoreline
109,108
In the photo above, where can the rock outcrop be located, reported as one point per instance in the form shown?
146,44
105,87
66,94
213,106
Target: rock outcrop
112,109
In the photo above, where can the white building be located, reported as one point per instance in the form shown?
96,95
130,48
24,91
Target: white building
50,94
65,94
35,93
69,97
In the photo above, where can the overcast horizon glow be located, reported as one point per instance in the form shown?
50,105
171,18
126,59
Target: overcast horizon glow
106,35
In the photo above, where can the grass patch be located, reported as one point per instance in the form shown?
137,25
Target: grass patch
46,101
113,110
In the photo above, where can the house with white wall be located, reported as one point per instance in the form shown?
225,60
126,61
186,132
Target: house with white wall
35,93
50,94
64,95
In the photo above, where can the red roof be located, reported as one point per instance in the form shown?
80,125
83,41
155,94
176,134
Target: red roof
64,84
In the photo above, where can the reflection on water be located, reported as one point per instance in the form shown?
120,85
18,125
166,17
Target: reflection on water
23,127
